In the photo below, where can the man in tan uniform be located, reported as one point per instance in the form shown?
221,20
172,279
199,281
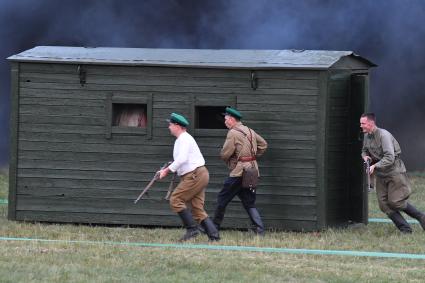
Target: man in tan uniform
240,150
383,151
190,166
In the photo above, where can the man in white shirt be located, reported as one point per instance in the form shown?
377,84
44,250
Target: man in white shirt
189,164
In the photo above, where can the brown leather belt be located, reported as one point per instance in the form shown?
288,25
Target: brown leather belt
247,158
193,171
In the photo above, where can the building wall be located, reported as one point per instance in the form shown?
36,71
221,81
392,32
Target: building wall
72,167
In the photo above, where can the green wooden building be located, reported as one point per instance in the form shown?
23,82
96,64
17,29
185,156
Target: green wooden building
88,131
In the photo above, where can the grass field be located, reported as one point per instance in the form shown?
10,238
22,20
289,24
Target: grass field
106,254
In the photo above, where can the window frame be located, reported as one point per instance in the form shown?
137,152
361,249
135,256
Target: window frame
217,101
121,99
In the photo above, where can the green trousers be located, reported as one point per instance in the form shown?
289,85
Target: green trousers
393,192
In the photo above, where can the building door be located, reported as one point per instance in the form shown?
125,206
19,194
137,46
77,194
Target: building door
357,186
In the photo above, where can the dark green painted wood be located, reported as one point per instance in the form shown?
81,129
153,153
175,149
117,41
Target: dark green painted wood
108,116
72,82
337,170
191,112
149,113
41,183
38,90
153,207
350,63
157,193
321,165
145,71
358,184
344,170
14,141
28,118
144,176
148,220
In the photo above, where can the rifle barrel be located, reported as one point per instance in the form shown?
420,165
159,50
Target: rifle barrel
367,162
147,187
155,177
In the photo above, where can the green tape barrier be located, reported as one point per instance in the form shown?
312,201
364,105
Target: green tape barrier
384,220
3,201
233,248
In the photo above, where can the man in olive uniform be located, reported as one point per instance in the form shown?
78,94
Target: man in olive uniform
240,150
190,166
383,151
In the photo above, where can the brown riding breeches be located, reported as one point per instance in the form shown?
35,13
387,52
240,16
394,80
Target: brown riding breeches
191,189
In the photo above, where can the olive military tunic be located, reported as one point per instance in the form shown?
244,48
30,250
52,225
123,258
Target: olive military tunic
392,184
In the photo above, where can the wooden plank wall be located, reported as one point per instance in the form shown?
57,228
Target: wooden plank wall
69,172
337,148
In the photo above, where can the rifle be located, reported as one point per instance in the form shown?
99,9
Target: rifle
155,177
170,188
367,165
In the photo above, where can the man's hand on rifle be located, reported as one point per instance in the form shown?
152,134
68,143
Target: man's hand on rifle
163,172
370,168
367,159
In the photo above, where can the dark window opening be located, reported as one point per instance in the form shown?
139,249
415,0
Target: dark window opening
209,117
129,115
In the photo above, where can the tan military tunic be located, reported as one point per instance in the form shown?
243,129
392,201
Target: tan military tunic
237,146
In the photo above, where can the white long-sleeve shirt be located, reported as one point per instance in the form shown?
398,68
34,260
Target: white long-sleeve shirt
186,154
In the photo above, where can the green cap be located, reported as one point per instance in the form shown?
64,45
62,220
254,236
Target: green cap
178,119
233,112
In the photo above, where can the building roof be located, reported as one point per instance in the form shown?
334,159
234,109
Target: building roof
208,58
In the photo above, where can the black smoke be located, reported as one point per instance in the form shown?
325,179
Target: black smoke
390,33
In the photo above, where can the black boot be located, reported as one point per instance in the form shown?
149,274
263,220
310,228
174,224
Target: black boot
413,212
190,225
218,217
256,221
400,222
210,229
